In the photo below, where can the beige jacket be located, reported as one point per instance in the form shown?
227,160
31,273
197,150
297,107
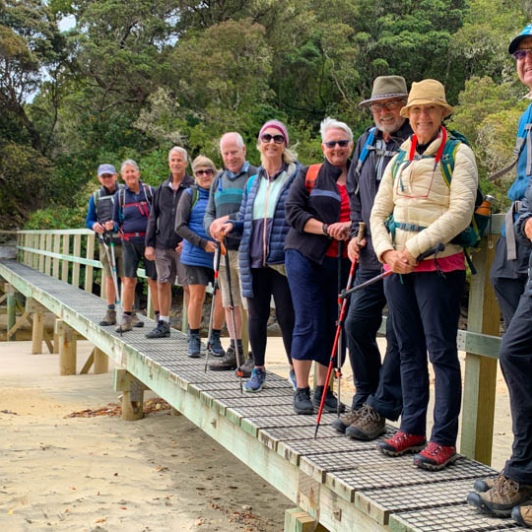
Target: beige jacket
420,196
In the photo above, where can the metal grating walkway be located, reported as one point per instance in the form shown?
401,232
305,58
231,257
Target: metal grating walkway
345,484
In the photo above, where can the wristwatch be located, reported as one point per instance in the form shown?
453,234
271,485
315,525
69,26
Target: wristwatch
325,229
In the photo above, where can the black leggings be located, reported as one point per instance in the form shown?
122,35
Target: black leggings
268,282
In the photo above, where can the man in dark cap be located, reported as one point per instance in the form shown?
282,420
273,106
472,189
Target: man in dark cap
378,391
100,220
510,493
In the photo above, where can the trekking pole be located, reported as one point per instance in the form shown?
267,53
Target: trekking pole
217,253
339,327
432,251
336,350
233,318
114,275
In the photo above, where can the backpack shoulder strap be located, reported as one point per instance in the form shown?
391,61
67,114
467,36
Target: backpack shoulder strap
122,198
310,178
397,162
96,197
448,158
251,180
370,140
194,193
148,193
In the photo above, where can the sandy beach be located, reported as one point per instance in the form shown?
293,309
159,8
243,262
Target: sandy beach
100,473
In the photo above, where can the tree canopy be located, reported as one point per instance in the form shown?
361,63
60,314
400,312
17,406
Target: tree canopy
132,79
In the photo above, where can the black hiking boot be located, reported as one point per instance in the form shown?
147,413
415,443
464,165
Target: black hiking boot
247,367
331,401
302,403
161,331
225,363
194,345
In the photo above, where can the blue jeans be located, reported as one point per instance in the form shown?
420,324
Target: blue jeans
314,289
379,386
425,309
516,364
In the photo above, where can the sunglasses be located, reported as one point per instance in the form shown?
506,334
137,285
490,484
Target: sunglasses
333,143
389,106
519,55
266,138
204,172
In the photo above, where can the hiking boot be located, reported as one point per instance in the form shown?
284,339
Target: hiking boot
247,367
340,424
523,515
194,345
136,321
215,347
161,331
232,351
402,443
501,498
331,402
109,319
482,485
292,379
435,457
368,425
302,403
256,383
225,363
125,325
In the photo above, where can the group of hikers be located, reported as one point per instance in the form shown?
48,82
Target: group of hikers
394,200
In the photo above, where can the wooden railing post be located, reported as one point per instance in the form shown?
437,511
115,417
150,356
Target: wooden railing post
101,361
67,348
76,266
48,247
132,394
11,310
480,377
41,245
57,249
66,251
89,270
37,329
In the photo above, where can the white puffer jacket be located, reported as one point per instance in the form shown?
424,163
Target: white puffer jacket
420,196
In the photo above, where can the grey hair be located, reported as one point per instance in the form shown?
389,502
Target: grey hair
129,162
331,123
236,136
180,150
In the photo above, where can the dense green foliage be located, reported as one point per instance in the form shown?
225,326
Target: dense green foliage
132,79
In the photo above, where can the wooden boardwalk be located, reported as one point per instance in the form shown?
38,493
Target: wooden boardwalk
343,484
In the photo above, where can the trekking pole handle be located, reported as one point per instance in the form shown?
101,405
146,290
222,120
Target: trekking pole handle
431,251
361,231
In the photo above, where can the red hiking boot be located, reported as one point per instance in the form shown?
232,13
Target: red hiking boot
402,443
435,457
